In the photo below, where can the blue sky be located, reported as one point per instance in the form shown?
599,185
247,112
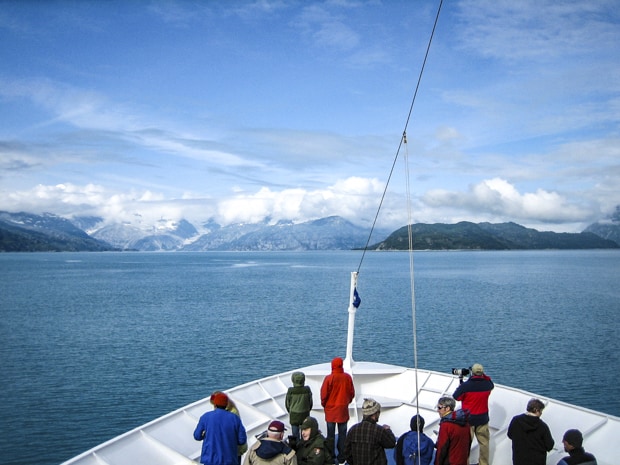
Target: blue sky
238,111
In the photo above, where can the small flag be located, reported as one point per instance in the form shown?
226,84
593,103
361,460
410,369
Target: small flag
356,298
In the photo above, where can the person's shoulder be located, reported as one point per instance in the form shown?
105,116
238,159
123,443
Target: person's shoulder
590,457
425,437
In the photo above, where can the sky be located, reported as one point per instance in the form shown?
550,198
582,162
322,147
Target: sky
244,111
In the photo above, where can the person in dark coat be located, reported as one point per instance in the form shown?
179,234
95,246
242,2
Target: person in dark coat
367,440
414,447
573,440
298,402
531,437
313,448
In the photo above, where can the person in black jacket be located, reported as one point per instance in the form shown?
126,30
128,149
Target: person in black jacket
531,438
573,440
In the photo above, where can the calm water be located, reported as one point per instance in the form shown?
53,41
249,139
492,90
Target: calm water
94,344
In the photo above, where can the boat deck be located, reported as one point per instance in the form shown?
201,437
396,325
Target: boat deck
169,439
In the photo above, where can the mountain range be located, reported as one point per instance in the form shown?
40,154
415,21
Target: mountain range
27,232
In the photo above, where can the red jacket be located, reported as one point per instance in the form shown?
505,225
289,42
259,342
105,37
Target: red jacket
337,392
474,396
454,439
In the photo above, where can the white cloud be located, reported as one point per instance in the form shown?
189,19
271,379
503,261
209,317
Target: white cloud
497,198
351,198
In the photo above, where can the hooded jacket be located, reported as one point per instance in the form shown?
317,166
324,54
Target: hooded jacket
578,456
298,400
270,451
474,396
337,392
531,440
314,451
423,451
454,439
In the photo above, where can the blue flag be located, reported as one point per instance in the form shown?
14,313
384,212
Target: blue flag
356,298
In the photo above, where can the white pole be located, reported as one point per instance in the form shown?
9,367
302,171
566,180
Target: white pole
348,361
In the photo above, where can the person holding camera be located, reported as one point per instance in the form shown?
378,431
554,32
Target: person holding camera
474,396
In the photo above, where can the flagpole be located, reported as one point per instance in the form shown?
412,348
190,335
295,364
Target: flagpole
353,304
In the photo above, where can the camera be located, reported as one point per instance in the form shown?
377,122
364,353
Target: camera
461,371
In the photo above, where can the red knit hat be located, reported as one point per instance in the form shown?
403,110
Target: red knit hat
219,399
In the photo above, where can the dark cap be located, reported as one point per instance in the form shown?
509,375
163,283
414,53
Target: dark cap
276,426
573,437
309,422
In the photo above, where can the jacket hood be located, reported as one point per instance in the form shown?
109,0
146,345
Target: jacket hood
460,417
298,378
337,365
268,449
528,423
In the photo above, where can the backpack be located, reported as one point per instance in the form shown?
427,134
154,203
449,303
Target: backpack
410,449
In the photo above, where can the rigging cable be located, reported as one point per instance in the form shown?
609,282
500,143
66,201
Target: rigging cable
400,144
403,142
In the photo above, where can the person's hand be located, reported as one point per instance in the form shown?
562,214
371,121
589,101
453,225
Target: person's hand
386,427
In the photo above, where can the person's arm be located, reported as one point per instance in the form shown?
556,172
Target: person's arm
287,401
398,451
510,429
199,432
549,442
388,440
242,437
459,391
325,390
290,458
348,455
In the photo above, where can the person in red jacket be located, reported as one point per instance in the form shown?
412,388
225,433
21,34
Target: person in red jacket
337,392
454,439
474,396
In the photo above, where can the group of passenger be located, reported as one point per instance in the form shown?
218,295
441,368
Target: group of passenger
365,443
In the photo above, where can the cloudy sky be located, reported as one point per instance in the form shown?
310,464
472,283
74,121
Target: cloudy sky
244,110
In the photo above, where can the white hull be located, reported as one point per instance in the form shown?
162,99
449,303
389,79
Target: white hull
169,439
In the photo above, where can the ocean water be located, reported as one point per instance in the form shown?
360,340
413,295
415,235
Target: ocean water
95,344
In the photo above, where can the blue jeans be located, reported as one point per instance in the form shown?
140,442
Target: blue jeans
331,440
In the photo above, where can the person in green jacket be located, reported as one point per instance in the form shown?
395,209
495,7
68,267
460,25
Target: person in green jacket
312,449
298,402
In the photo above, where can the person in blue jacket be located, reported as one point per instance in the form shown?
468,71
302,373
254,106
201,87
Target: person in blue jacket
414,447
221,433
